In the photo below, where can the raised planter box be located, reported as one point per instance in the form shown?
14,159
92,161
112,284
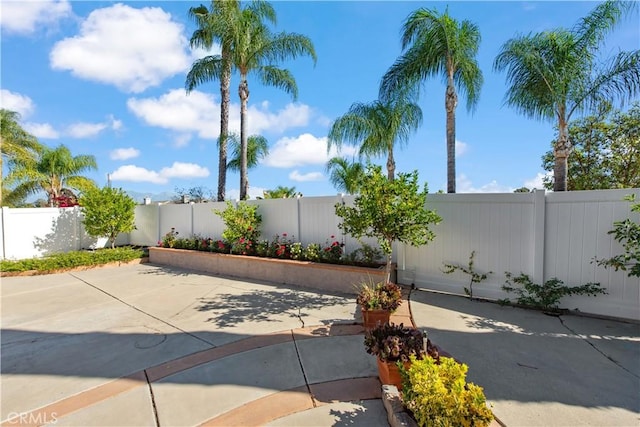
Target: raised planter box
326,277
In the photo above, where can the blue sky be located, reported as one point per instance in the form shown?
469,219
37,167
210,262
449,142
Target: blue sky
107,78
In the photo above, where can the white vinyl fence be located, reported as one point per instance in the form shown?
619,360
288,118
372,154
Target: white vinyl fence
543,235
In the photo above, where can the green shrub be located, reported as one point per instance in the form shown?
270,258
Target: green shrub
242,226
107,213
438,394
627,233
72,259
546,296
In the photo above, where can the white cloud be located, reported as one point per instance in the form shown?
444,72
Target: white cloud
305,149
537,182
464,185
42,130
177,170
199,113
182,140
175,110
305,177
124,153
461,148
85,130
137,174
133,49
13,101
23,17
184,170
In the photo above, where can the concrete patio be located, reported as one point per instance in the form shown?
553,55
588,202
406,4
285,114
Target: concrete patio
145,345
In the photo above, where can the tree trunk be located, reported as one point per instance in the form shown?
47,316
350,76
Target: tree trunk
388,265
391,165
451,101
243,91
225,100
561,152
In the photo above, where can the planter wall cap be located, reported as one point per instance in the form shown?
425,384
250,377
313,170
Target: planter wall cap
396,415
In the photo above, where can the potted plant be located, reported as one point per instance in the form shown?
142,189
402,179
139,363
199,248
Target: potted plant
437,394
377,301
393,344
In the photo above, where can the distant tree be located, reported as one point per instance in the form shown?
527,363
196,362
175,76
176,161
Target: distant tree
197,194
257,149
16,144
554,74
522,190
107,212
377,127
281,192
345,175
605,151
436,45
220,23
253,49
56,171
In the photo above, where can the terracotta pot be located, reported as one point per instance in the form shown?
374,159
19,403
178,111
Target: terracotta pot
370,318
389,373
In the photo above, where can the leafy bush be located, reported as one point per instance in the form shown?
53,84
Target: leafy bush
627,233
438,394
242,225
169,239
546,296
332,251
72,260
108,212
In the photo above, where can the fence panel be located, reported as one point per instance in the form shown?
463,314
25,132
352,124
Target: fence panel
498,227
147,225
206,223
577,229
279,216
179,217
318,220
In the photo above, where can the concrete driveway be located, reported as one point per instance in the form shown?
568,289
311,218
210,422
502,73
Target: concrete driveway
146,345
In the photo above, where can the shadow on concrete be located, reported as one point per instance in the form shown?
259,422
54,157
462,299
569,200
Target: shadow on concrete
527,356
264,306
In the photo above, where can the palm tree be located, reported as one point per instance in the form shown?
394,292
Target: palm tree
219,24
438,45
55,171
16,144
257,149
377,126
554,74
281,192
345,175
255,50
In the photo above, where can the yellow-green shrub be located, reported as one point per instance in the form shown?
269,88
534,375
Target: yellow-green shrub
438,395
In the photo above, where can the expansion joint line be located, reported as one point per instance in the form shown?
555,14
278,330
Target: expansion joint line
596,348
153,399
304,374
142,311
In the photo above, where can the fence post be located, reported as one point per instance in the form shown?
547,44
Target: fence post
539,206
5,212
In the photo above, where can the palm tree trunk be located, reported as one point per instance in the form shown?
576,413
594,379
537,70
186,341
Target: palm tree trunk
225,100
561,153
451,101
243,92
391,164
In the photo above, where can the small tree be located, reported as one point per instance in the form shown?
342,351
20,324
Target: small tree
389,211
108,212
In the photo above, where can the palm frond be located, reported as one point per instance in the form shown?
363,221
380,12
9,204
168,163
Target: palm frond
277,77
204,70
